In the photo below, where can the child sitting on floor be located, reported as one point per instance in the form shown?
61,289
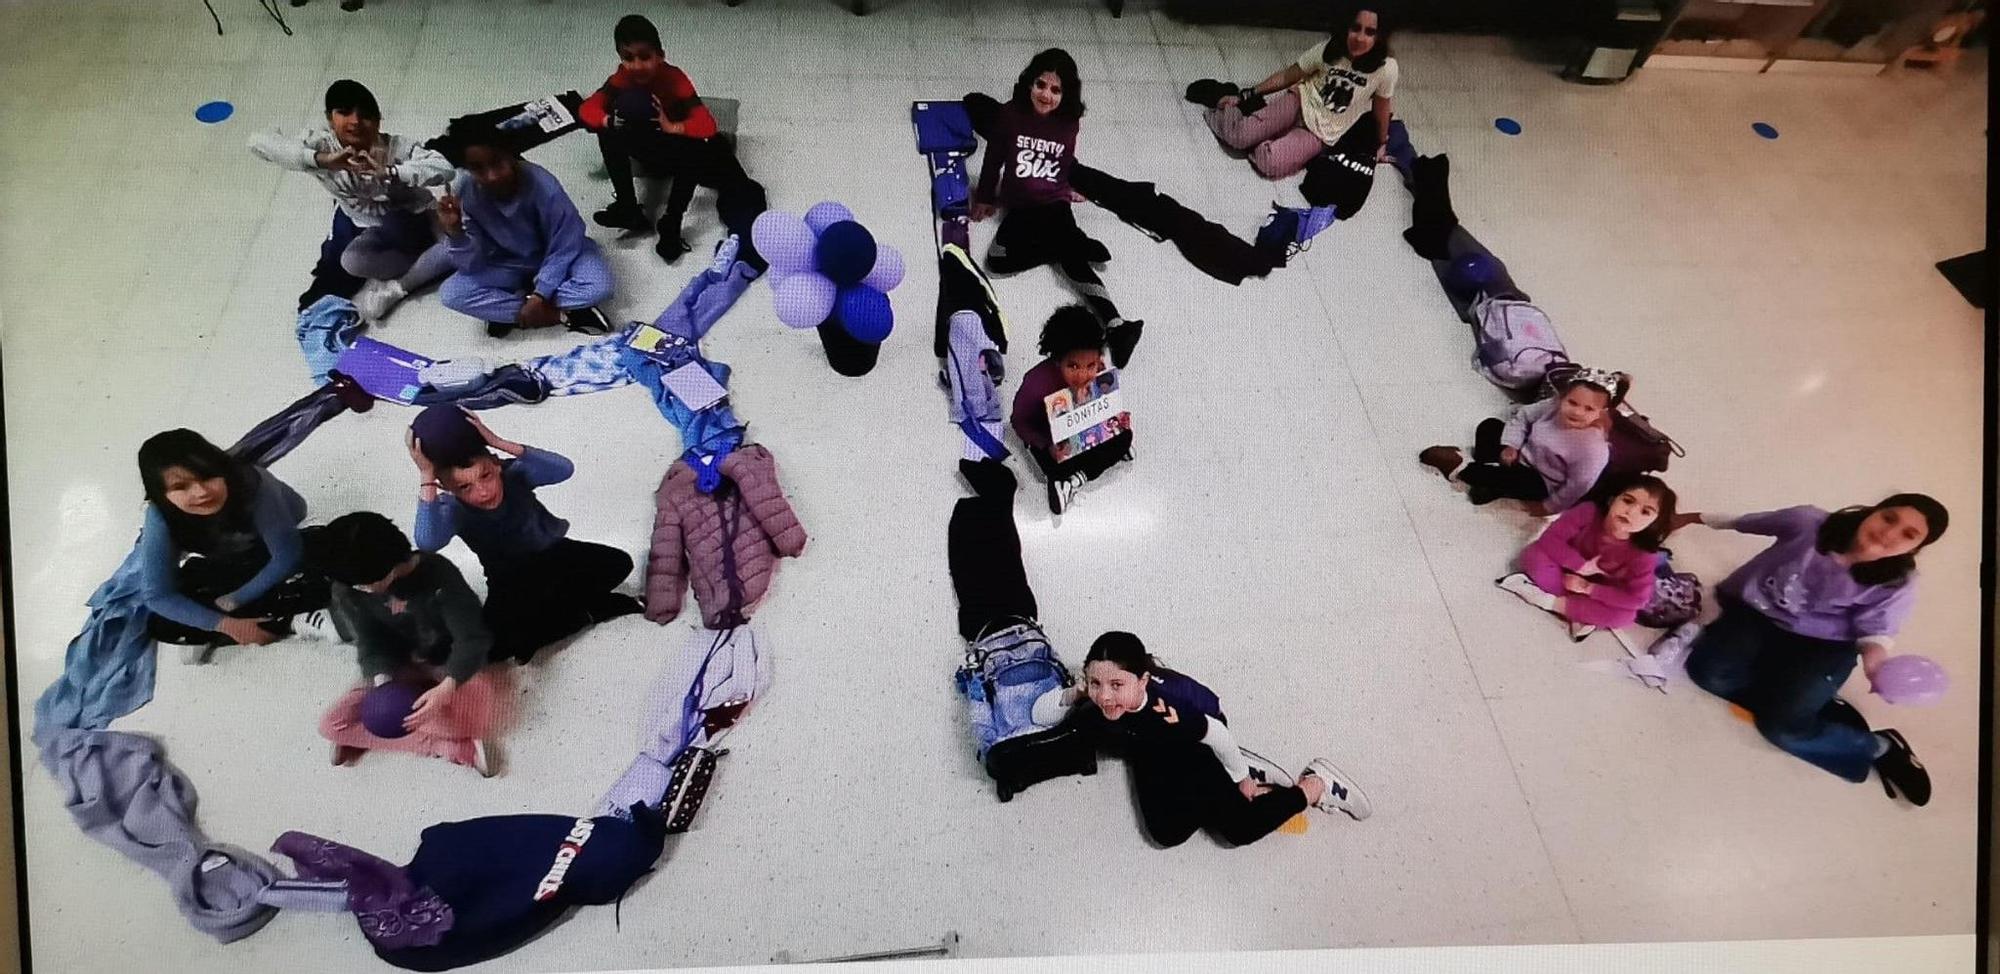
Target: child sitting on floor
519,245
1549,454
1594,565
541,585
414,619
1073,339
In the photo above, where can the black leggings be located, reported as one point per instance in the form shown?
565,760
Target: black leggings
1031,236
983,549
1091,463
534,600
688,162
1491,479
205,579
1182,789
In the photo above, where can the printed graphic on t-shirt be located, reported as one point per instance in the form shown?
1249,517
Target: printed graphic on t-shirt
1037,158
1337,90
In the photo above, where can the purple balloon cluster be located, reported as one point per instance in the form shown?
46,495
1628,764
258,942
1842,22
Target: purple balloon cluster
827,267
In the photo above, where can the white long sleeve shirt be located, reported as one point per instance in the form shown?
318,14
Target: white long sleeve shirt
367,199
1049,710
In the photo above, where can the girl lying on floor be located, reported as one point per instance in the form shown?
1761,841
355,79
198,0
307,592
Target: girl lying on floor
1548,454
541,584
1189,773
1030,147
1831,591
1593,567
1073,341
219,552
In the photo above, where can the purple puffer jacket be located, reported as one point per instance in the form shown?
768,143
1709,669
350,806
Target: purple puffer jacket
732,539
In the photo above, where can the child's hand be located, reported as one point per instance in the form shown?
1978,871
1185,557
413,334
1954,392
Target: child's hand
1251,788
1682,520
1076,197
538,312
1509,455
451,215
432,704
343,159
246,632
1577,584
425,468
479,426
981,211
1590,568
667,124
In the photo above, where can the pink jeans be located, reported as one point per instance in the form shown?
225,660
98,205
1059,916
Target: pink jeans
1276,137
474,714
1580,609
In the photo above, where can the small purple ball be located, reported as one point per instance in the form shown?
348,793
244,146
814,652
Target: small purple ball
385,707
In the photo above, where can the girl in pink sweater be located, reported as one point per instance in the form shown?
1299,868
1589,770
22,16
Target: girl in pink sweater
1594,565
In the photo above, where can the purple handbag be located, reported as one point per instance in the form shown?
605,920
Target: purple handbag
1676,597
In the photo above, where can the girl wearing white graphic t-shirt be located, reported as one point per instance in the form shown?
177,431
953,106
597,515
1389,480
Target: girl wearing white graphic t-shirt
1336,99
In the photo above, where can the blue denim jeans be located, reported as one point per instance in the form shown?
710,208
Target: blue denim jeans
1788,682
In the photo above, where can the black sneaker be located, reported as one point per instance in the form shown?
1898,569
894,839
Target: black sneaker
499,329
1901,771
1208,91
352,5
614,605
1123,338
1094,251
671,247
621,215
588,321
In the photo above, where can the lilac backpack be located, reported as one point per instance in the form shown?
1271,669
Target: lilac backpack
1515,344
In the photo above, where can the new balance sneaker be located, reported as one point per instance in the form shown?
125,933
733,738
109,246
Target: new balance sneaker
587,321
1266,770
1342,794
317,625
1123,337
1063,491
1901,771
1578,632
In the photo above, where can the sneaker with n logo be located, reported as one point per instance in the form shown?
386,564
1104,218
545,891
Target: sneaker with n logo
1342,794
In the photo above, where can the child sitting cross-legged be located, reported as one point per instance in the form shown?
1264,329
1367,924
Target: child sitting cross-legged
1594,565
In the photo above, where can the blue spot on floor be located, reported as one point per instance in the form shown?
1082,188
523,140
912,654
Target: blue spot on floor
214,112
1507,125
1764,129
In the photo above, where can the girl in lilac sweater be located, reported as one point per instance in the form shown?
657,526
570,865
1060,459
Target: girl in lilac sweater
1549,454
1594,565
1030,147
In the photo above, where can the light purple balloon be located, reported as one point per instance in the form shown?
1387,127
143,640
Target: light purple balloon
888,269
784,240
804,299
1911,680
825,214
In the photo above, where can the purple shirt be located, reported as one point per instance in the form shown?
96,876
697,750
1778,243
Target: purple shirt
1807,592
1028,159
1569,460
1031,409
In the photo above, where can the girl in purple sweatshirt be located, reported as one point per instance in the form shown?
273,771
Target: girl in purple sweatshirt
1549,454
1594,565
1030,147
1073,340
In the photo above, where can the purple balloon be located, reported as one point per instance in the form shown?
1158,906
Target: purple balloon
784,240
803,299
888,269
383,708
824,215
1911,680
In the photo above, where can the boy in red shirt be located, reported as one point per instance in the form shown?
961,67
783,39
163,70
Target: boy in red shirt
648,110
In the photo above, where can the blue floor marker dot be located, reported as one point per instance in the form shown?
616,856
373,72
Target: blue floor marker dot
1764,129
214,112
1507,125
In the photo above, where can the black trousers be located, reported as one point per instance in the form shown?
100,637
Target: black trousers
688,162
205,579
1091,463
983,549
1329,180
1182,789
535,600
1031,236
1491,479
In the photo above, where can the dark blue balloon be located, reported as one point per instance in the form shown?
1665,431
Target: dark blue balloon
846,252
1474,272
214,111
864,312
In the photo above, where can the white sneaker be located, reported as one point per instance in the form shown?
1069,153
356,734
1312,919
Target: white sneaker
1579,632
376,298
1342,794
1063,491
316,625
1523,587
1266,770
482,762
